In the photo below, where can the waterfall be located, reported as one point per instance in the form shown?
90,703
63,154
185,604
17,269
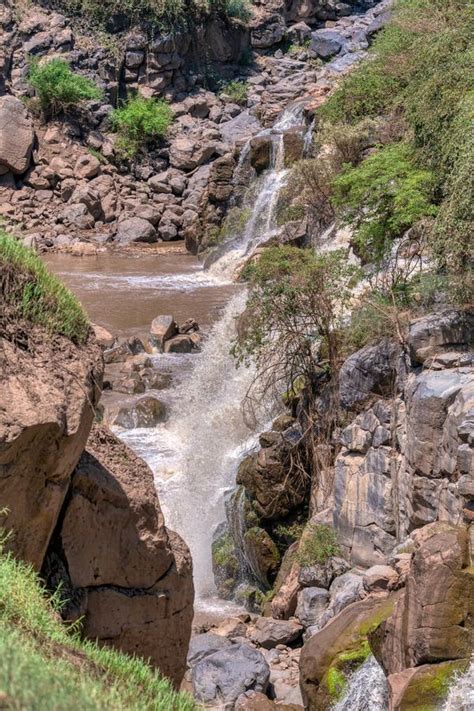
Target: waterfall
229,258
461,692
367,689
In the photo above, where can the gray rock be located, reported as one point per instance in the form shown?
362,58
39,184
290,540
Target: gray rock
321,576
268,632
437,332
344,590
326,43
135,229
78,216
220,678
203,645
370,371
312,602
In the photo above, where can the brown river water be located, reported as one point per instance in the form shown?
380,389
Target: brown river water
124,292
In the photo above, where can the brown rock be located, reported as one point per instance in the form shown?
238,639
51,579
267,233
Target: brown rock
87,167
162,328
136,575
47,399
16,136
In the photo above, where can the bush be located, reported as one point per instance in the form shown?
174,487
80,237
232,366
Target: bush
382,197
58,88
32,293
45,665
318,543
139,122
237,91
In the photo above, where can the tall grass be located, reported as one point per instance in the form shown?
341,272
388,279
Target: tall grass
32,293
45,666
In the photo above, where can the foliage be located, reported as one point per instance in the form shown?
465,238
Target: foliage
32,293
45,665
140,121
308,193
290,533
383,197
164,15
318,543
237,91
58,87
294,304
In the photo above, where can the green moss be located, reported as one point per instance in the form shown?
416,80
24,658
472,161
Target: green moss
32,293
429,687
356,655
318,543
44,665
335,683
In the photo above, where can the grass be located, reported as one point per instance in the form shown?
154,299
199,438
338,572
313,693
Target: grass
140,122
32,293
44,666
237,91
58,87
318,544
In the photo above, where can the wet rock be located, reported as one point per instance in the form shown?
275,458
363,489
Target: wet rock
148,411
162,329
220,678
267,632
135,229
16,136
261,553
286,585
260,152
182,344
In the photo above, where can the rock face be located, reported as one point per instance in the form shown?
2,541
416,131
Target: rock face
47,396
16,136
132,576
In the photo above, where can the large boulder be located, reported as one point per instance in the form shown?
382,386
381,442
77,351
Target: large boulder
326,43
367,373
135,229
132,576
330,655
220,678
432,334
267,632
48,392
16,136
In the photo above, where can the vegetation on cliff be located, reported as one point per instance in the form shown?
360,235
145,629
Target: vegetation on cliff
28,291
45,665
139,122
58,87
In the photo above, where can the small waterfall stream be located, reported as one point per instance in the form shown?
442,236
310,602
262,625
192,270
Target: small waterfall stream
461,693
367,689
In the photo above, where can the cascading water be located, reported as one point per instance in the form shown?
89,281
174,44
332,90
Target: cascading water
461,693
227,260
367,689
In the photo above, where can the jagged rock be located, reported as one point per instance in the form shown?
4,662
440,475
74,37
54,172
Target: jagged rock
77,215
145,412
186,154
326,43
267,30
16,136
136,576
370,371
286,585
135,229
380,577
162,328
231,627
103,337
324,656
440,331
203,645
267,632
87,166
261,553
260,152
432,622
222,677
90,198
182,343
48,393
321,575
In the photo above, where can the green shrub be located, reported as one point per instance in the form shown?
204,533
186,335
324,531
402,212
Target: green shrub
318,543
140,122
237,91
238,9
44,665
58,88
31,292
382,197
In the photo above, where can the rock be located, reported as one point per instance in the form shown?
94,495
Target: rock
88,197
429,682
87,166
321,575
326,43
260,152
181,344
159,184
186,154
135,229
48,393
432,621
345,589
16,136
222,677
162,329
231,628
267,30
136,576
380,577
324,656
148,411
103,337
370,371
440,331
203,645
267,632
312,602
239,128
261,553
77,215
256,701
286,586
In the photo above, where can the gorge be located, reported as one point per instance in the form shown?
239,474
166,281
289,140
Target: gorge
280,357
